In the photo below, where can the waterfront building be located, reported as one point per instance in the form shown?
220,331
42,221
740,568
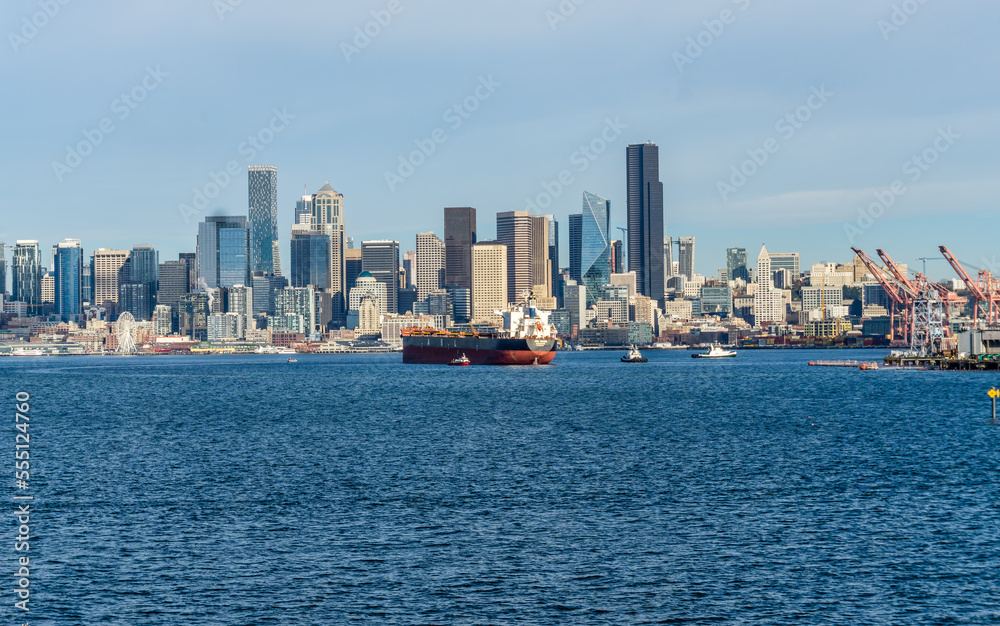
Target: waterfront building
489,281
685,257
222,258
163,320
736,265
768,303
310,259
68,270
329,217
226,326
108,265
645,218
381,259
459,237
595,245
263,217
293,302
430,264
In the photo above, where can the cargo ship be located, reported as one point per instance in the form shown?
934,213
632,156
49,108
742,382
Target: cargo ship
527,338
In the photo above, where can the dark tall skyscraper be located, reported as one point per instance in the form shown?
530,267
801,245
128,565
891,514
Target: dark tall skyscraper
459,236
3,268
645,219
310,259
263,193
223,252
190,259
145,261
554,259
173,284
575,245
736,264
381,259
27,280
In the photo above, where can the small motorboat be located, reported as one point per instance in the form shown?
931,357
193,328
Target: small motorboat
715,352
634,356
460,361
291,360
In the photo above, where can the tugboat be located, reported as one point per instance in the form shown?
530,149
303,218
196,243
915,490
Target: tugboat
634,356
460,361
715,352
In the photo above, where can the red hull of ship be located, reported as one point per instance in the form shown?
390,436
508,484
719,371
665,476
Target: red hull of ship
430,355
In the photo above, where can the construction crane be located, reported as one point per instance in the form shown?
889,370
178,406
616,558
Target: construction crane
929,258
982,290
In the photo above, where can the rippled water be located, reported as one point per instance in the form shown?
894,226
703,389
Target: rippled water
355,489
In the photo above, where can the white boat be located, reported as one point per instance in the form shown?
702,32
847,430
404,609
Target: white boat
634,356
28,352
715,352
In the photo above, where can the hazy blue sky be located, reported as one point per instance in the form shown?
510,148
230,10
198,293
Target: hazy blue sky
901,74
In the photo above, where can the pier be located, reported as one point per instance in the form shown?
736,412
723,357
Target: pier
944,363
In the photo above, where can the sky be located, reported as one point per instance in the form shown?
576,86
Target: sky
808,127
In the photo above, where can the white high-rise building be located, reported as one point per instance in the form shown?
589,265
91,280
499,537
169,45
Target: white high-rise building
162,321
430,264
368,285
328,217
107,263
489,281
768,304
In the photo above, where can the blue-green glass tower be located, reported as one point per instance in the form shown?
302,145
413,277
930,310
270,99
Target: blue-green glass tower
595,245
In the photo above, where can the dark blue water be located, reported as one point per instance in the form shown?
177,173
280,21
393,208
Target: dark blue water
354,489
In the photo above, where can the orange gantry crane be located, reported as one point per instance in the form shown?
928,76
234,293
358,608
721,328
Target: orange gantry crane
984,290
900,300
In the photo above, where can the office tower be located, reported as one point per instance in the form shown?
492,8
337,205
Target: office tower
461,302
575,246
617,262
407,300
310,259
459,237
27,275
292,302
192,318
352,266
87,282
685,257
173,284
381,259
163,321
276,253
303,211
3,268
514,231
645,218
135,298
264,287
768,305
263,194
410,269
489,281
556,279
576,304
223,254
328,217
190,259
367,285
595,245
240,301
541,264
144,263
430,264
107,268
668,258
48,287
68,270
736,264
786,261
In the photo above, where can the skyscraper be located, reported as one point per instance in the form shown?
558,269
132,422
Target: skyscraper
430,264
685,257
381,259
68,268
173,284
736,264
352,267
409,270
645,218
3,268
514,231
556,280
541,264
459,236
595,245
303,211
785,261
223,252
575,245
27,274
310,259
107,268
191,260
328,217
768,305
263,194
145,267
489,281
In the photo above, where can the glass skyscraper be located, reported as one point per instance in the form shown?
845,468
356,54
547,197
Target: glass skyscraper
575,235
223,252
645,219
263,193
27,274
459,237
3,268
736,264
381,258
69,279
685,257
310,259
595,245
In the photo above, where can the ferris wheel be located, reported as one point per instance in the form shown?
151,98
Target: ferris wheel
126,333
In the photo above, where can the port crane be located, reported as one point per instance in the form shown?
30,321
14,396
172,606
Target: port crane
984,290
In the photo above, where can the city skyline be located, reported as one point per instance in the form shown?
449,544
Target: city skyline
711,101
